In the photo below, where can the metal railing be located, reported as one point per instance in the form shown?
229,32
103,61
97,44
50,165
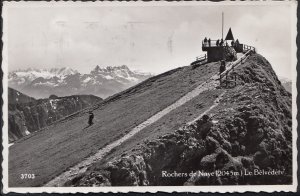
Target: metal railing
200,60
232,65
202,57
247,48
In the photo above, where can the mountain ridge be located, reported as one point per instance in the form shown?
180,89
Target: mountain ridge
18,97
102,82
286,83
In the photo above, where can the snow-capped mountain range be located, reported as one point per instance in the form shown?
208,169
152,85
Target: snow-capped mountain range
102,82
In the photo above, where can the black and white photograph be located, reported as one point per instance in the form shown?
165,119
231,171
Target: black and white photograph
149,96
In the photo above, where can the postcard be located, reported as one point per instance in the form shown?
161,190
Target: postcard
149,96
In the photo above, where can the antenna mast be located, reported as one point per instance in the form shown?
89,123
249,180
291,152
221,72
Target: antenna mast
222,23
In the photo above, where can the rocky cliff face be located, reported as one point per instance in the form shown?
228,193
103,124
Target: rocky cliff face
24,118
251,131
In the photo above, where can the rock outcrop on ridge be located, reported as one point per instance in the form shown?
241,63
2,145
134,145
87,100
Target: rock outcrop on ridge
251,132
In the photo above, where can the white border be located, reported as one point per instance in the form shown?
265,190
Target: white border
294,89
152,189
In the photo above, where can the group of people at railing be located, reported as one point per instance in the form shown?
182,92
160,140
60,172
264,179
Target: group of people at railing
207,42
219,42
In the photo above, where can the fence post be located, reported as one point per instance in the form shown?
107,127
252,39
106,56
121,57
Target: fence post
226,79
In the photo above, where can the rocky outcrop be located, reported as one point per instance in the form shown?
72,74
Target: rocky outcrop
229,53
25,118
251,132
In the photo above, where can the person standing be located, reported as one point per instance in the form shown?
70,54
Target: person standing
205,41
232,43
221,42
91,117
222,66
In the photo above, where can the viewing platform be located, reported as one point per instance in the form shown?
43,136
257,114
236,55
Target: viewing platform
238,47
218,50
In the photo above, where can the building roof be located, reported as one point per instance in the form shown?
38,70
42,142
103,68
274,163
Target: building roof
229,35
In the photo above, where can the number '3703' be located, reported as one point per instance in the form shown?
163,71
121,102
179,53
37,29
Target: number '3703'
27,176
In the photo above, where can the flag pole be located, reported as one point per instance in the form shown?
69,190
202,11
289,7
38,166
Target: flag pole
222,23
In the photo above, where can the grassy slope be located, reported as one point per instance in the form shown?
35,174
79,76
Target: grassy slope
168,123
49,152
258,104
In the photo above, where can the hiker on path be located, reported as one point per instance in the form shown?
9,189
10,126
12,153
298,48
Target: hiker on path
91,117
217,43
209,42
222,66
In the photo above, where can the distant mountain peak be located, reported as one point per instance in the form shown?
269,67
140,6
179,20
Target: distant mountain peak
124,67
286,83
62,81
110,69
284,79
97,67
96,70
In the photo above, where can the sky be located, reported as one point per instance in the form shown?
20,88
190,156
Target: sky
152,38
